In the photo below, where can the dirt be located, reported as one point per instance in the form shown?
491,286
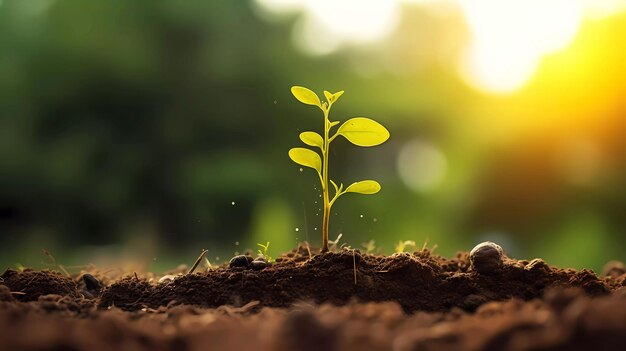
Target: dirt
344,300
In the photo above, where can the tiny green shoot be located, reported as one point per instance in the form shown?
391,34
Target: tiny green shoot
264,251
402,245
359,131
369,246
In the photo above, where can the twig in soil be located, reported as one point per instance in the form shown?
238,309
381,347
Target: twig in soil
308,249
209,266
136,277
354,263
195,265
18,293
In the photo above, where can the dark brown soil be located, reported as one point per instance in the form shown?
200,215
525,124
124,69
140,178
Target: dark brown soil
336,301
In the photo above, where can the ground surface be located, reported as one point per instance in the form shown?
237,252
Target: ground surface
336,301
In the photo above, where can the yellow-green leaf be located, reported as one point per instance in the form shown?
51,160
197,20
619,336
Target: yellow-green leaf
306,96
364,187
306,157
329,96
332,98
337,95
312,139
363,131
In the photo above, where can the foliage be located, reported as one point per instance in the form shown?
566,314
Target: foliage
264,251
359,131
402,245
370,246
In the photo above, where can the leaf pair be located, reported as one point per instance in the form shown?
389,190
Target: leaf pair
308,158
309,97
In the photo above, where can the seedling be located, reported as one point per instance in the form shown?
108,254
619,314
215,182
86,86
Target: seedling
369,246
334,243
360,131
402,245
264,251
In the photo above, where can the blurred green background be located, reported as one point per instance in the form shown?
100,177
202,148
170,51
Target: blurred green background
138,132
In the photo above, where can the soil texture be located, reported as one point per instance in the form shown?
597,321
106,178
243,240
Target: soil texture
345,300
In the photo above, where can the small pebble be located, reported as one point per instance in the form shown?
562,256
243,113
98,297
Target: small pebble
91,283
239,261
261,258
486,258
257,265
168,278
537,265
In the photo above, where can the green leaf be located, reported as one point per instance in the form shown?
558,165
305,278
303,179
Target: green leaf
363,131
337,95
329,96
306,96
306,157
312,139
332,98
364,187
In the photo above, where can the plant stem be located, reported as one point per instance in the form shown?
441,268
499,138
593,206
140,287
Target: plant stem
325,155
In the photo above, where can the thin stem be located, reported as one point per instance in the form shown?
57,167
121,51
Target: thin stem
337,194
333,137
195,265
325,155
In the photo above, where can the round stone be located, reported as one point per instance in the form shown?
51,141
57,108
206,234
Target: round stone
258,265
239,261
486,258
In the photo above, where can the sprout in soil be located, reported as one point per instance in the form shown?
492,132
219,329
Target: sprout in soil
359,131
370,246
402,245
264,251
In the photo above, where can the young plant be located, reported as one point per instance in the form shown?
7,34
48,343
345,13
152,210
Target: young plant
265,251
401,245
370,246
359,131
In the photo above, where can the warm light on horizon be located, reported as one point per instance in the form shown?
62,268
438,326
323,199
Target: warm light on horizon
508,38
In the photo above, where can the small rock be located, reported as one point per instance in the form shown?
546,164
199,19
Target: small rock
261,258
537,265
91,283
239,261
257,265
168,278
486,258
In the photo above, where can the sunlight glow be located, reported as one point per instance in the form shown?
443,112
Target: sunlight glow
327,24
511,37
